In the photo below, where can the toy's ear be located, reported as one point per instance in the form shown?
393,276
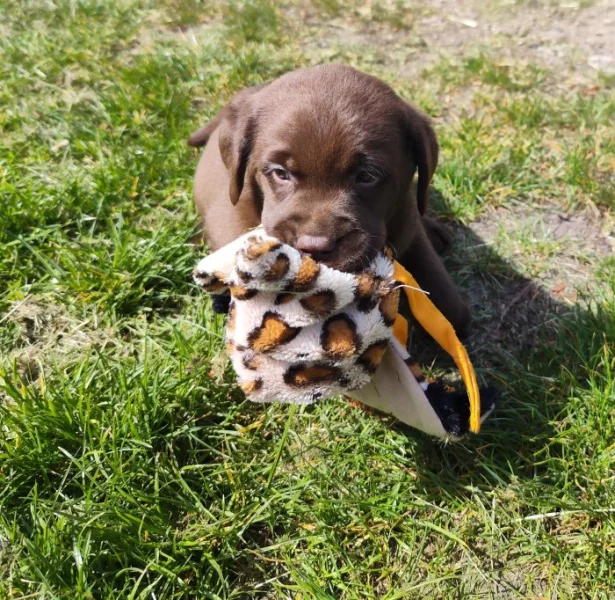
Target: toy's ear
237,123
423,146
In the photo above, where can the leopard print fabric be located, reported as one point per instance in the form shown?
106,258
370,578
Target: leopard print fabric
299,331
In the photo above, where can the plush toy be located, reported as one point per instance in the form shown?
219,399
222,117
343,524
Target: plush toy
299,331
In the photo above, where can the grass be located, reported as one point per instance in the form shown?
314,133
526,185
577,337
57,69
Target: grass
131,467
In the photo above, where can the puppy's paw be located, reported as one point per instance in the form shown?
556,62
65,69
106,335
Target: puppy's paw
439,234
462,321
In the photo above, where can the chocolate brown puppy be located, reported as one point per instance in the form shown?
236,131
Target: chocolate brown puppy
325,158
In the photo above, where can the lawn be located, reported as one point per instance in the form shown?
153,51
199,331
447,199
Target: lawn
131,466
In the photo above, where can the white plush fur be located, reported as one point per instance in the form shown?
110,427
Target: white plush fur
392,389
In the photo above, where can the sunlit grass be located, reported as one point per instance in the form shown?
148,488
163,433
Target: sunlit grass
131,467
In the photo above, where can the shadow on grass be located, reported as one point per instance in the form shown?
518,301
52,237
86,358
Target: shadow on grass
534,347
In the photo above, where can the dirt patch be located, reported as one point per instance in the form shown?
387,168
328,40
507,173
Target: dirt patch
587,232
563,36
562,246
520,269
48,333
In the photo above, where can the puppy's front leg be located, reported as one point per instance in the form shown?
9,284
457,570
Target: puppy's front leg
440,235
423,262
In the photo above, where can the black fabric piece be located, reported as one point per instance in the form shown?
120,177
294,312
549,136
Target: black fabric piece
220,303
453,408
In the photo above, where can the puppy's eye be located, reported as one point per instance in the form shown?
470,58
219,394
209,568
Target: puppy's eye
279,173
366,178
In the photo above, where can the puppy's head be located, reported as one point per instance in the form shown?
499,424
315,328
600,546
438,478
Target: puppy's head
328,154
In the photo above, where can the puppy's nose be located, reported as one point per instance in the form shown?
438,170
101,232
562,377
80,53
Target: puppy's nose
315,244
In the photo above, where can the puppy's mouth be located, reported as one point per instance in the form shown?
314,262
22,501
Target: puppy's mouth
353,252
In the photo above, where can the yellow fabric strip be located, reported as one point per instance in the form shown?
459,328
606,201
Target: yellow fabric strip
441,330
400,330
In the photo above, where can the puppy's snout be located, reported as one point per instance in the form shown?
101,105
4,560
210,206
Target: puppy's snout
316,245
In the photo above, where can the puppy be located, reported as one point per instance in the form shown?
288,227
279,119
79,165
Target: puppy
324,158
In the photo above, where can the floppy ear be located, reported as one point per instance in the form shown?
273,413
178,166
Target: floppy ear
237,131
424,148
237,125
201,136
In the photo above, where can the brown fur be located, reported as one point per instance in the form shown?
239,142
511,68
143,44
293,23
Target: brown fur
329,129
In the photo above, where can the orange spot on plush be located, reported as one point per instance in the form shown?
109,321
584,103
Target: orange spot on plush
260,249
242,293
303,376
307,273
230,321
283,299
365,285
389,306
278,269
251,361
339,338
215,282
372,357
320,304
272,332
365,294
218,286
251,386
